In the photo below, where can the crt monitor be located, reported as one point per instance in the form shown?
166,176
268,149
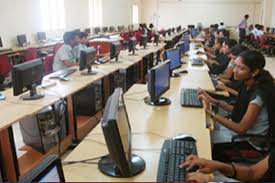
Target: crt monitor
41,36
169,32
117,133
27,76
132,45
119,29
105,29
112,29
1,43
174,56
115,50
49,170
22,39
143,41
156,39
97,30
186,44
87,59
158,84
173,30
88,31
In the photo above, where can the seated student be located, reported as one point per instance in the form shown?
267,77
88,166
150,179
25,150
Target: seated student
220,63
65,57
263,171
251,112
212,53
222,26
83,42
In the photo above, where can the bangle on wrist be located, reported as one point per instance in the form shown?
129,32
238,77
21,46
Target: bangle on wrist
234,171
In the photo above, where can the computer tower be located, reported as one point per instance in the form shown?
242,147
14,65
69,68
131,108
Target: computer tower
89,100
45,129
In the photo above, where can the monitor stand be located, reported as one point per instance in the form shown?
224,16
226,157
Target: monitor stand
175,75
107,166
116,60
89,72
133,53
162,101
33,94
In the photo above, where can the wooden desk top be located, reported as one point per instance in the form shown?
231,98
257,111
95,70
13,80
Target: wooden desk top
150,127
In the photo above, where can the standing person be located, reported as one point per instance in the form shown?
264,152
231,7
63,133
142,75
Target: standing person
242,28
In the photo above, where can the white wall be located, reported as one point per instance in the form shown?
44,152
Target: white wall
23,17
273,14
184,12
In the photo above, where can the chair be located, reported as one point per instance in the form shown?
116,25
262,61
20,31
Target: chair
267,48
30,54
48,64
5,66
56,47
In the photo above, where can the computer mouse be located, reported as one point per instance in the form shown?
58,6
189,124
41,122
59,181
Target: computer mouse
2,97
184,72
185,137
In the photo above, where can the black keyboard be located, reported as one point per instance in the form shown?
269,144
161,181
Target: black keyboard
173,153
189,98
197,62
62,73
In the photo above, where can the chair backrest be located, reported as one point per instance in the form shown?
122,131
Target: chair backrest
5,66
30,54
48,64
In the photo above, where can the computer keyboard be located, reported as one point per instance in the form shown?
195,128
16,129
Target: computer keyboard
215,83
62,73
189,98
103,60
197,62
173,153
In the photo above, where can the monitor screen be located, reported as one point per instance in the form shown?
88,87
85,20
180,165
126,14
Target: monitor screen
22,39
97,30
1,43
159,80
175,57
48,170
105,29
41,36
162,79
27,76
87,58
117,133
88,30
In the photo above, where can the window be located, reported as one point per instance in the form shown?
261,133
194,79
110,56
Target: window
135,14
95,13
53,14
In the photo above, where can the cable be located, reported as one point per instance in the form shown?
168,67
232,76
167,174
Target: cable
83,161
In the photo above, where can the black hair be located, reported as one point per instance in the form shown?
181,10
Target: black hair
238,49
221,23
230,42
246,16
82,35
69,36
253,59
220,41
151,26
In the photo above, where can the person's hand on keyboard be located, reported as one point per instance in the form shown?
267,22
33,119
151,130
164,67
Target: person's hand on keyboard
199,177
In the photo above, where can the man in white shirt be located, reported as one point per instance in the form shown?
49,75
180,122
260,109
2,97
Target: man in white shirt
65,57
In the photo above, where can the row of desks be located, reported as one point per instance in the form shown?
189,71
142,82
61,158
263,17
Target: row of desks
150,127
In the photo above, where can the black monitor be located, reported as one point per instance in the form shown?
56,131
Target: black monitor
163,33
156,39
22,40
112,29
169,32
1,43
174,56
191,26
158,84
119,28
179,28
105,29
115,50
26,77
132,45
88,31
173,30
143,41
77,30
87,59
49,170
41,36
97,30
118,136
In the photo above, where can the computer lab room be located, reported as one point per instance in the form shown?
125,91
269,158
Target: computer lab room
137,91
